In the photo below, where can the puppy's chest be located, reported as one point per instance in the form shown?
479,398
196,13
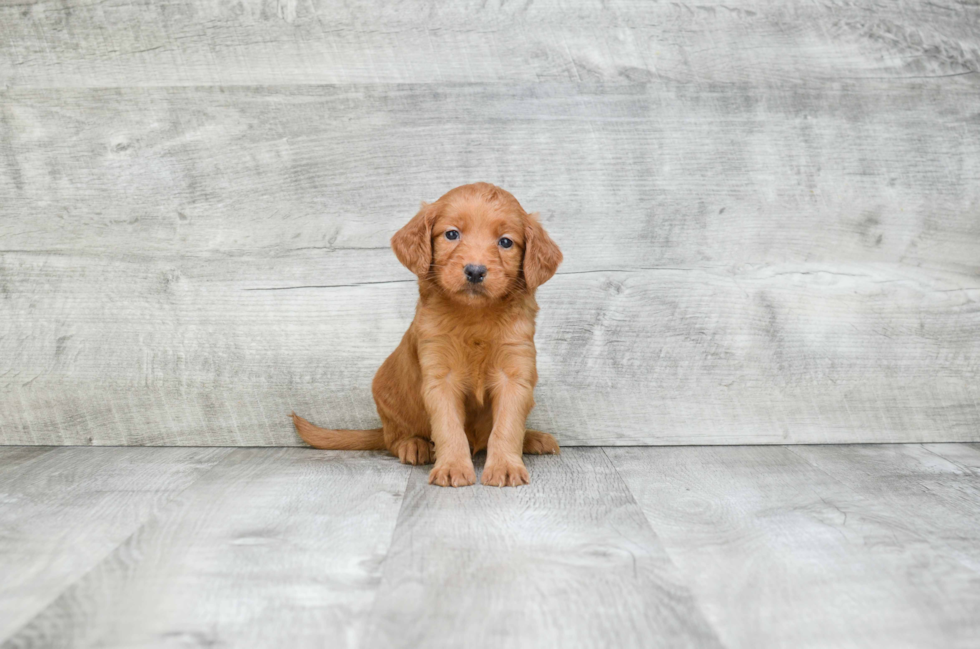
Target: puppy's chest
474,351
476,354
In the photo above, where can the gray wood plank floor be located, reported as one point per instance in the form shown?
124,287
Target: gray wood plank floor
63,511
819,546
766,546
272,548
569,561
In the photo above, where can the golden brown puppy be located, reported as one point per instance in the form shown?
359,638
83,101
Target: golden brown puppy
463,377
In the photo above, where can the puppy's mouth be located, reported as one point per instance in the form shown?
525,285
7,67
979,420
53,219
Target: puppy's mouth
474,291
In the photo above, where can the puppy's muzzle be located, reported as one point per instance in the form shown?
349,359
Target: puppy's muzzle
475,274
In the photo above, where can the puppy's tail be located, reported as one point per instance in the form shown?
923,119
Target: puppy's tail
339,440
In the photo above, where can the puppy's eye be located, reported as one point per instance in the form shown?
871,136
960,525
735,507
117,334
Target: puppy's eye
452,235
505,242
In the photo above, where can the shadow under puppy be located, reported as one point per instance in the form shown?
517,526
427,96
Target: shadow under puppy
462,379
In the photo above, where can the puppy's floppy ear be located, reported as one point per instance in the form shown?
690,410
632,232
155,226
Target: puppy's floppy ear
413,243
541,254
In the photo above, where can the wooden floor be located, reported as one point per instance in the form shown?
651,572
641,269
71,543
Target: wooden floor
766,546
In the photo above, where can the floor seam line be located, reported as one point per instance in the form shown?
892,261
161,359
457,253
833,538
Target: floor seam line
694,598
381,571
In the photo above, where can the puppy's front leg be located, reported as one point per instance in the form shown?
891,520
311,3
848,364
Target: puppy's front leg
444,403
513,398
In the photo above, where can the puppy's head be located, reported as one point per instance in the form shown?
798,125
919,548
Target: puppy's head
477,244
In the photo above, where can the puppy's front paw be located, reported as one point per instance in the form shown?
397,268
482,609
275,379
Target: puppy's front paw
453,474
509,472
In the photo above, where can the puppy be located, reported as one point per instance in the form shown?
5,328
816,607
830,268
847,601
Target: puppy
462,379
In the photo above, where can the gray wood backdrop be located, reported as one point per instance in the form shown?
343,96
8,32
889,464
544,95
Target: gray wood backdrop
770,211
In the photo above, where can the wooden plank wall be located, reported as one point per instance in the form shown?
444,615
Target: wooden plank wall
770,212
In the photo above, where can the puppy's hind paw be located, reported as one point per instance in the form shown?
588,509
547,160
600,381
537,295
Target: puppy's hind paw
413,450
538,443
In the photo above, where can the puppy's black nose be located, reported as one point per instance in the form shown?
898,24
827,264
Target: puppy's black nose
474,273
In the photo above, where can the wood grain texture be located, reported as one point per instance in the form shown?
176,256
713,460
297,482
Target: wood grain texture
938,498
14,457
568,561
802,546
63,510
794,264
822,546
112,44
272,548
965,456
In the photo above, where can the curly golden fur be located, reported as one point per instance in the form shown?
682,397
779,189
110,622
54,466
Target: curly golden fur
462,379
